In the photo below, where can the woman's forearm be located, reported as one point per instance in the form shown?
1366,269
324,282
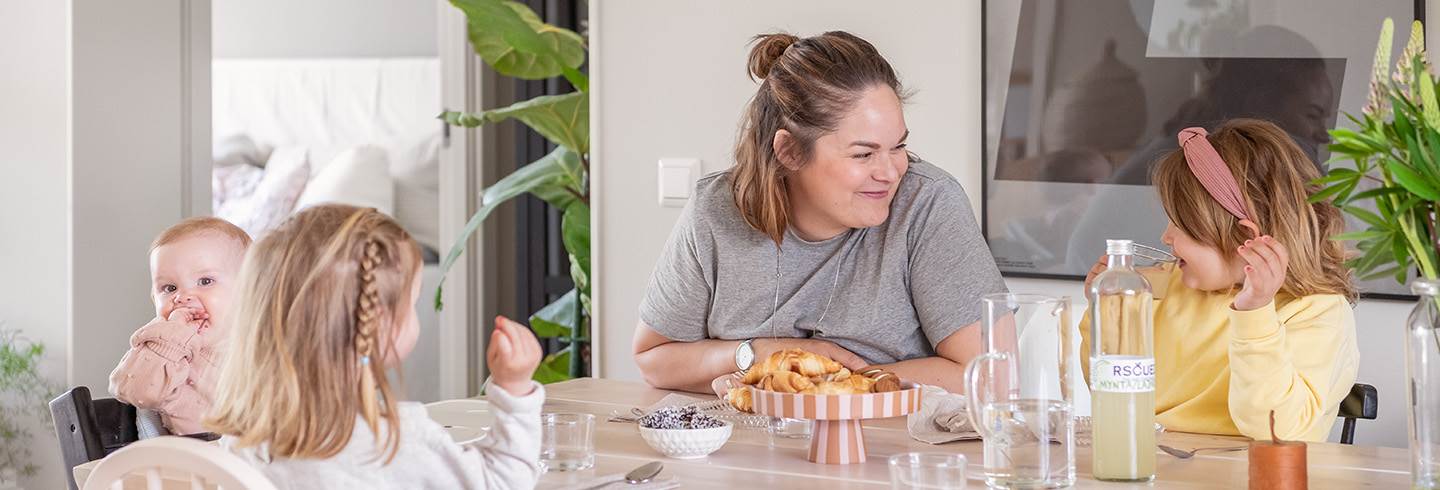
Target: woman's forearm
689,366
934,370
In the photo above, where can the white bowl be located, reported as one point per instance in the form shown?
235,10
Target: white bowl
687,443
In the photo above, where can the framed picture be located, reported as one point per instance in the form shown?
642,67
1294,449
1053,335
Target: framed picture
1081,97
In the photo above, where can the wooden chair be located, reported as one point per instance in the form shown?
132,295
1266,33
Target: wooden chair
1363,402
178,459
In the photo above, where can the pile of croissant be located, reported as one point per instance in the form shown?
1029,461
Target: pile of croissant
800,371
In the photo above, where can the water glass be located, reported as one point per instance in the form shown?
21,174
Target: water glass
783,428
567,441
940,471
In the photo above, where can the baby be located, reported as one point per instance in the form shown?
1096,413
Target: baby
173,360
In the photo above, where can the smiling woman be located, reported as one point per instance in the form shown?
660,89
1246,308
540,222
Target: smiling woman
827,235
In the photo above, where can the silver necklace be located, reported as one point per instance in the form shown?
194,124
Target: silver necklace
834,284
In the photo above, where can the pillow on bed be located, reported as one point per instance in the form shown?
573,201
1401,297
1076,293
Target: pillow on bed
240,149
359,176
274,198
416,168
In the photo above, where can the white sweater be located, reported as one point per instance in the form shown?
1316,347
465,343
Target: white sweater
427,458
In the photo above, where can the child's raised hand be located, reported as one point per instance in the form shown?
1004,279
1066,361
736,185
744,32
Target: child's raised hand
513,355
1267,263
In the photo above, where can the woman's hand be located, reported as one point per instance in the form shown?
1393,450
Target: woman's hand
513,355
766,346
1267,263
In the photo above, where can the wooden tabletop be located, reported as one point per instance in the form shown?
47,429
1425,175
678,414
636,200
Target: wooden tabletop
748,461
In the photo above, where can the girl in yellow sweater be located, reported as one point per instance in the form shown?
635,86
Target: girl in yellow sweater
1256,314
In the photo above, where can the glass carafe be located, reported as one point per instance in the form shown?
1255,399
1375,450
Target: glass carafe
1021,391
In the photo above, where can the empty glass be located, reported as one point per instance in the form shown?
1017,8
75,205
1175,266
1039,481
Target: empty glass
567,441
1021,390
783,428
927,470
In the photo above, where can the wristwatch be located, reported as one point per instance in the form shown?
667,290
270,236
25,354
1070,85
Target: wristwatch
745,355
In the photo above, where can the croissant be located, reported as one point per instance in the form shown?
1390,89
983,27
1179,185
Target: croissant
835,388
776,362
812,364
786,382
859,383
740,399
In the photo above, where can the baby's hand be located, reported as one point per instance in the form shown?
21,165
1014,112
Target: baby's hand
1268,262
177,333
194,317
513,356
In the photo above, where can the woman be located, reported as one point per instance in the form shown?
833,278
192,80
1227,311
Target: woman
826,235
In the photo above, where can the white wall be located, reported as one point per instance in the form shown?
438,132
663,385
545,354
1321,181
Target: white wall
324,28
99,136
683,97
34,201
132,167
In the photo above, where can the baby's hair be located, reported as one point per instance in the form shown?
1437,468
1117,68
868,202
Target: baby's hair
201,224
1274,176
320,299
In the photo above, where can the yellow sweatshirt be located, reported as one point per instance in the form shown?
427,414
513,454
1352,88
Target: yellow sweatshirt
1221,371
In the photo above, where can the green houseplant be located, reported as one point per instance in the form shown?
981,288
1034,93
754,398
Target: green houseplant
1395,148
23,398
516,43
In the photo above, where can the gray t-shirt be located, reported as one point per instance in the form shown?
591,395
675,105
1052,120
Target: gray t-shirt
887,293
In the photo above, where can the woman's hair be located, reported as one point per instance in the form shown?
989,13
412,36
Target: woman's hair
806,87
1274,177
306,352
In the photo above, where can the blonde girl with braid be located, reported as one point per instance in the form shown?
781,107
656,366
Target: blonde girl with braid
326,310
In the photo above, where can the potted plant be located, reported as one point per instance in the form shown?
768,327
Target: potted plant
1394,187
516,43
24,395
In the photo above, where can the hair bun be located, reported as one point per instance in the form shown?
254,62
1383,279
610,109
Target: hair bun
768,49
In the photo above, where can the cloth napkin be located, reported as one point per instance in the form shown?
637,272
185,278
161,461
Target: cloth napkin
617,481
942,418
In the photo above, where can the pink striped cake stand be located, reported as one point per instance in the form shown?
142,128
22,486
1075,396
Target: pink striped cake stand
838,437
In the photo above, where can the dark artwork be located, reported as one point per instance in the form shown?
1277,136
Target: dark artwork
1084,96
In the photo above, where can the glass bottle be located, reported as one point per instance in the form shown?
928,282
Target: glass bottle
1422,373
1122,369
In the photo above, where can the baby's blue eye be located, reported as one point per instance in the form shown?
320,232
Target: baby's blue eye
205,281
167,289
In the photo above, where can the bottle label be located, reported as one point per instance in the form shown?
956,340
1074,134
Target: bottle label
1122,374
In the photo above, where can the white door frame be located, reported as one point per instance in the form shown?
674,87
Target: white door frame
462,342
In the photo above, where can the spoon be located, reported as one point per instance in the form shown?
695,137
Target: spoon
644,473
1184,454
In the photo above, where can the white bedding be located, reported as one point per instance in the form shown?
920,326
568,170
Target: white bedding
328,106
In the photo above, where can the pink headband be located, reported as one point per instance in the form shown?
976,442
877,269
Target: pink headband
1212,172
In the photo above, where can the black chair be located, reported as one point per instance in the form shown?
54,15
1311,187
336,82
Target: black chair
90,429
1363,402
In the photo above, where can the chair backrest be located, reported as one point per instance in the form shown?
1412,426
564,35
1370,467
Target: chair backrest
1363,402
89,429
181,459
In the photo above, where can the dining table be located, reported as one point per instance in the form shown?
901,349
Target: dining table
752,459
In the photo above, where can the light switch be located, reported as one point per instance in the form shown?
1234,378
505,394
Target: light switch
677,178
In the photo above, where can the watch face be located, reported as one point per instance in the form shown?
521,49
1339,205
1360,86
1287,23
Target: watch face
744,356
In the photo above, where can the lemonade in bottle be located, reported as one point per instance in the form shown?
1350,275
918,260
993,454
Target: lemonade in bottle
1122,370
